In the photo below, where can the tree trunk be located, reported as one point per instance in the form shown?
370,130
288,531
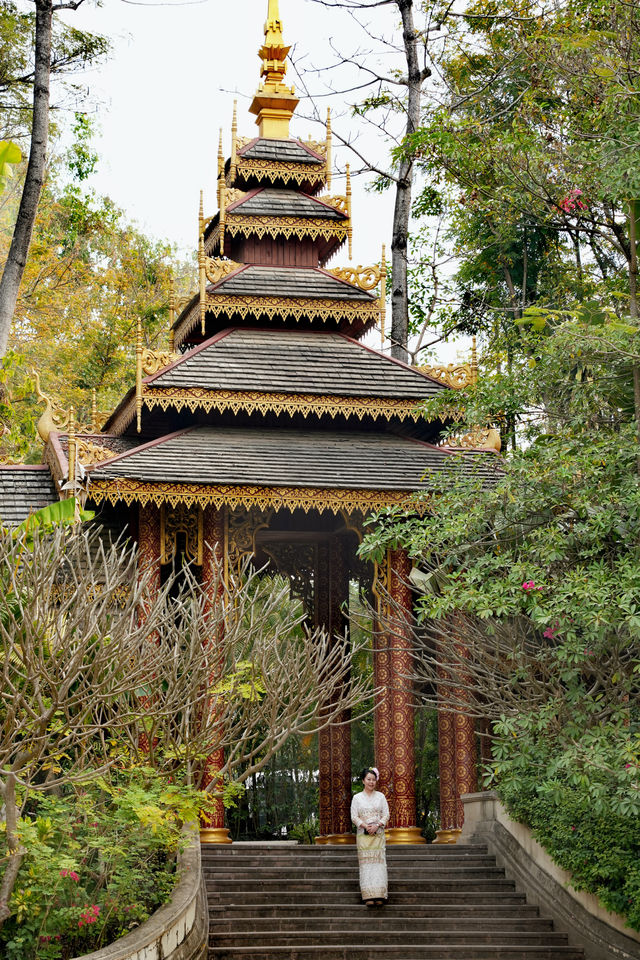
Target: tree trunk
14,849
402,210
16,261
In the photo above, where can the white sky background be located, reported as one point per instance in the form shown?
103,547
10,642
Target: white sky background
161,97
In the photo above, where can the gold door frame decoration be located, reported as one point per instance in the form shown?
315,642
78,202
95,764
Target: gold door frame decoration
240,534
181,519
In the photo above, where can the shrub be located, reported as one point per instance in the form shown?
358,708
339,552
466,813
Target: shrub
584,829
100,859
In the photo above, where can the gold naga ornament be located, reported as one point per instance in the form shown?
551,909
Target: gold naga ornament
148,362
458,377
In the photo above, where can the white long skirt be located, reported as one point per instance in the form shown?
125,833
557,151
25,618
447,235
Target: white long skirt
372,861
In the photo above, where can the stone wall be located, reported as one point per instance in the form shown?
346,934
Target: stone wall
602,935
177,931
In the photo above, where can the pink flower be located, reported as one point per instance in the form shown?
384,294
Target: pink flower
528,585
572,202
573,828
71,874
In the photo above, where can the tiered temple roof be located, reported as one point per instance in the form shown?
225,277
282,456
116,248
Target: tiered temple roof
270,397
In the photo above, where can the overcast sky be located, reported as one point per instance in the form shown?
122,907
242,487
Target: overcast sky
169,85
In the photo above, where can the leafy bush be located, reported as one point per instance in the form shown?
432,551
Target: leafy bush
306,832
579,817
100,859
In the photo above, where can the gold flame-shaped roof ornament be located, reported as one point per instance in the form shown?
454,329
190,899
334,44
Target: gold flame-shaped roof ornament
274,102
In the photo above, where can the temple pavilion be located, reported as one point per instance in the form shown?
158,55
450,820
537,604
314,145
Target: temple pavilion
269,429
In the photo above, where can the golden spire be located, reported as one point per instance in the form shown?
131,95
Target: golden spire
274,102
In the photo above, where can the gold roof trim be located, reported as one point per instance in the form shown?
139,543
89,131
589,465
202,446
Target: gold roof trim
271,307
277,498
199,398
278,170
261,226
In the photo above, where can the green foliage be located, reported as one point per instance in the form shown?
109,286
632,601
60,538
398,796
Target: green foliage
83,251
99,860
595,840
72,50
539,568
62,513
10,154
305,832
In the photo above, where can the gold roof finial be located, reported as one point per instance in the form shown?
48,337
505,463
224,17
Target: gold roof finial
274,102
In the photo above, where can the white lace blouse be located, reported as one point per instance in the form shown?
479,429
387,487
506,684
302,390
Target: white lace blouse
369,808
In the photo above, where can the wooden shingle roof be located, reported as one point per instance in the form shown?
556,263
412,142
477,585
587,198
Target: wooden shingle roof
23,490
305,282
356,460
283,202
295,361
286,151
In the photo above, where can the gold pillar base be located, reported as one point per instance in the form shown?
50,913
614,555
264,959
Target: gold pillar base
447,836
404,835
321,840
340,838
215,835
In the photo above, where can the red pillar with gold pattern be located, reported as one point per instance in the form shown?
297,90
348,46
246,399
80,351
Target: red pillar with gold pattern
457,745
340,733
325,766
465,733
149,544
449,829
212,828
403,827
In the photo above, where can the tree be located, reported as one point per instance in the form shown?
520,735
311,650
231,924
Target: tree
90,276
89,683
531,146
386,99
82,49
528,587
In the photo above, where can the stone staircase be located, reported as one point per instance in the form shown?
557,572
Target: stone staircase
269,901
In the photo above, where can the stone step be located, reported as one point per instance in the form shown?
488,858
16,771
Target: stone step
452,951
322,885
343,898
445,903
400,852
418,936
515,911
348,873
314,927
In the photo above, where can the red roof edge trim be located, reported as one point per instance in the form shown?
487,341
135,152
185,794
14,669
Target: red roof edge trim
249,194
143,446
247,146
60,455
312,153
400,363
329,207
352,286
234,273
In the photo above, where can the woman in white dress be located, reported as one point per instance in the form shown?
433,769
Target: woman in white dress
370,813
